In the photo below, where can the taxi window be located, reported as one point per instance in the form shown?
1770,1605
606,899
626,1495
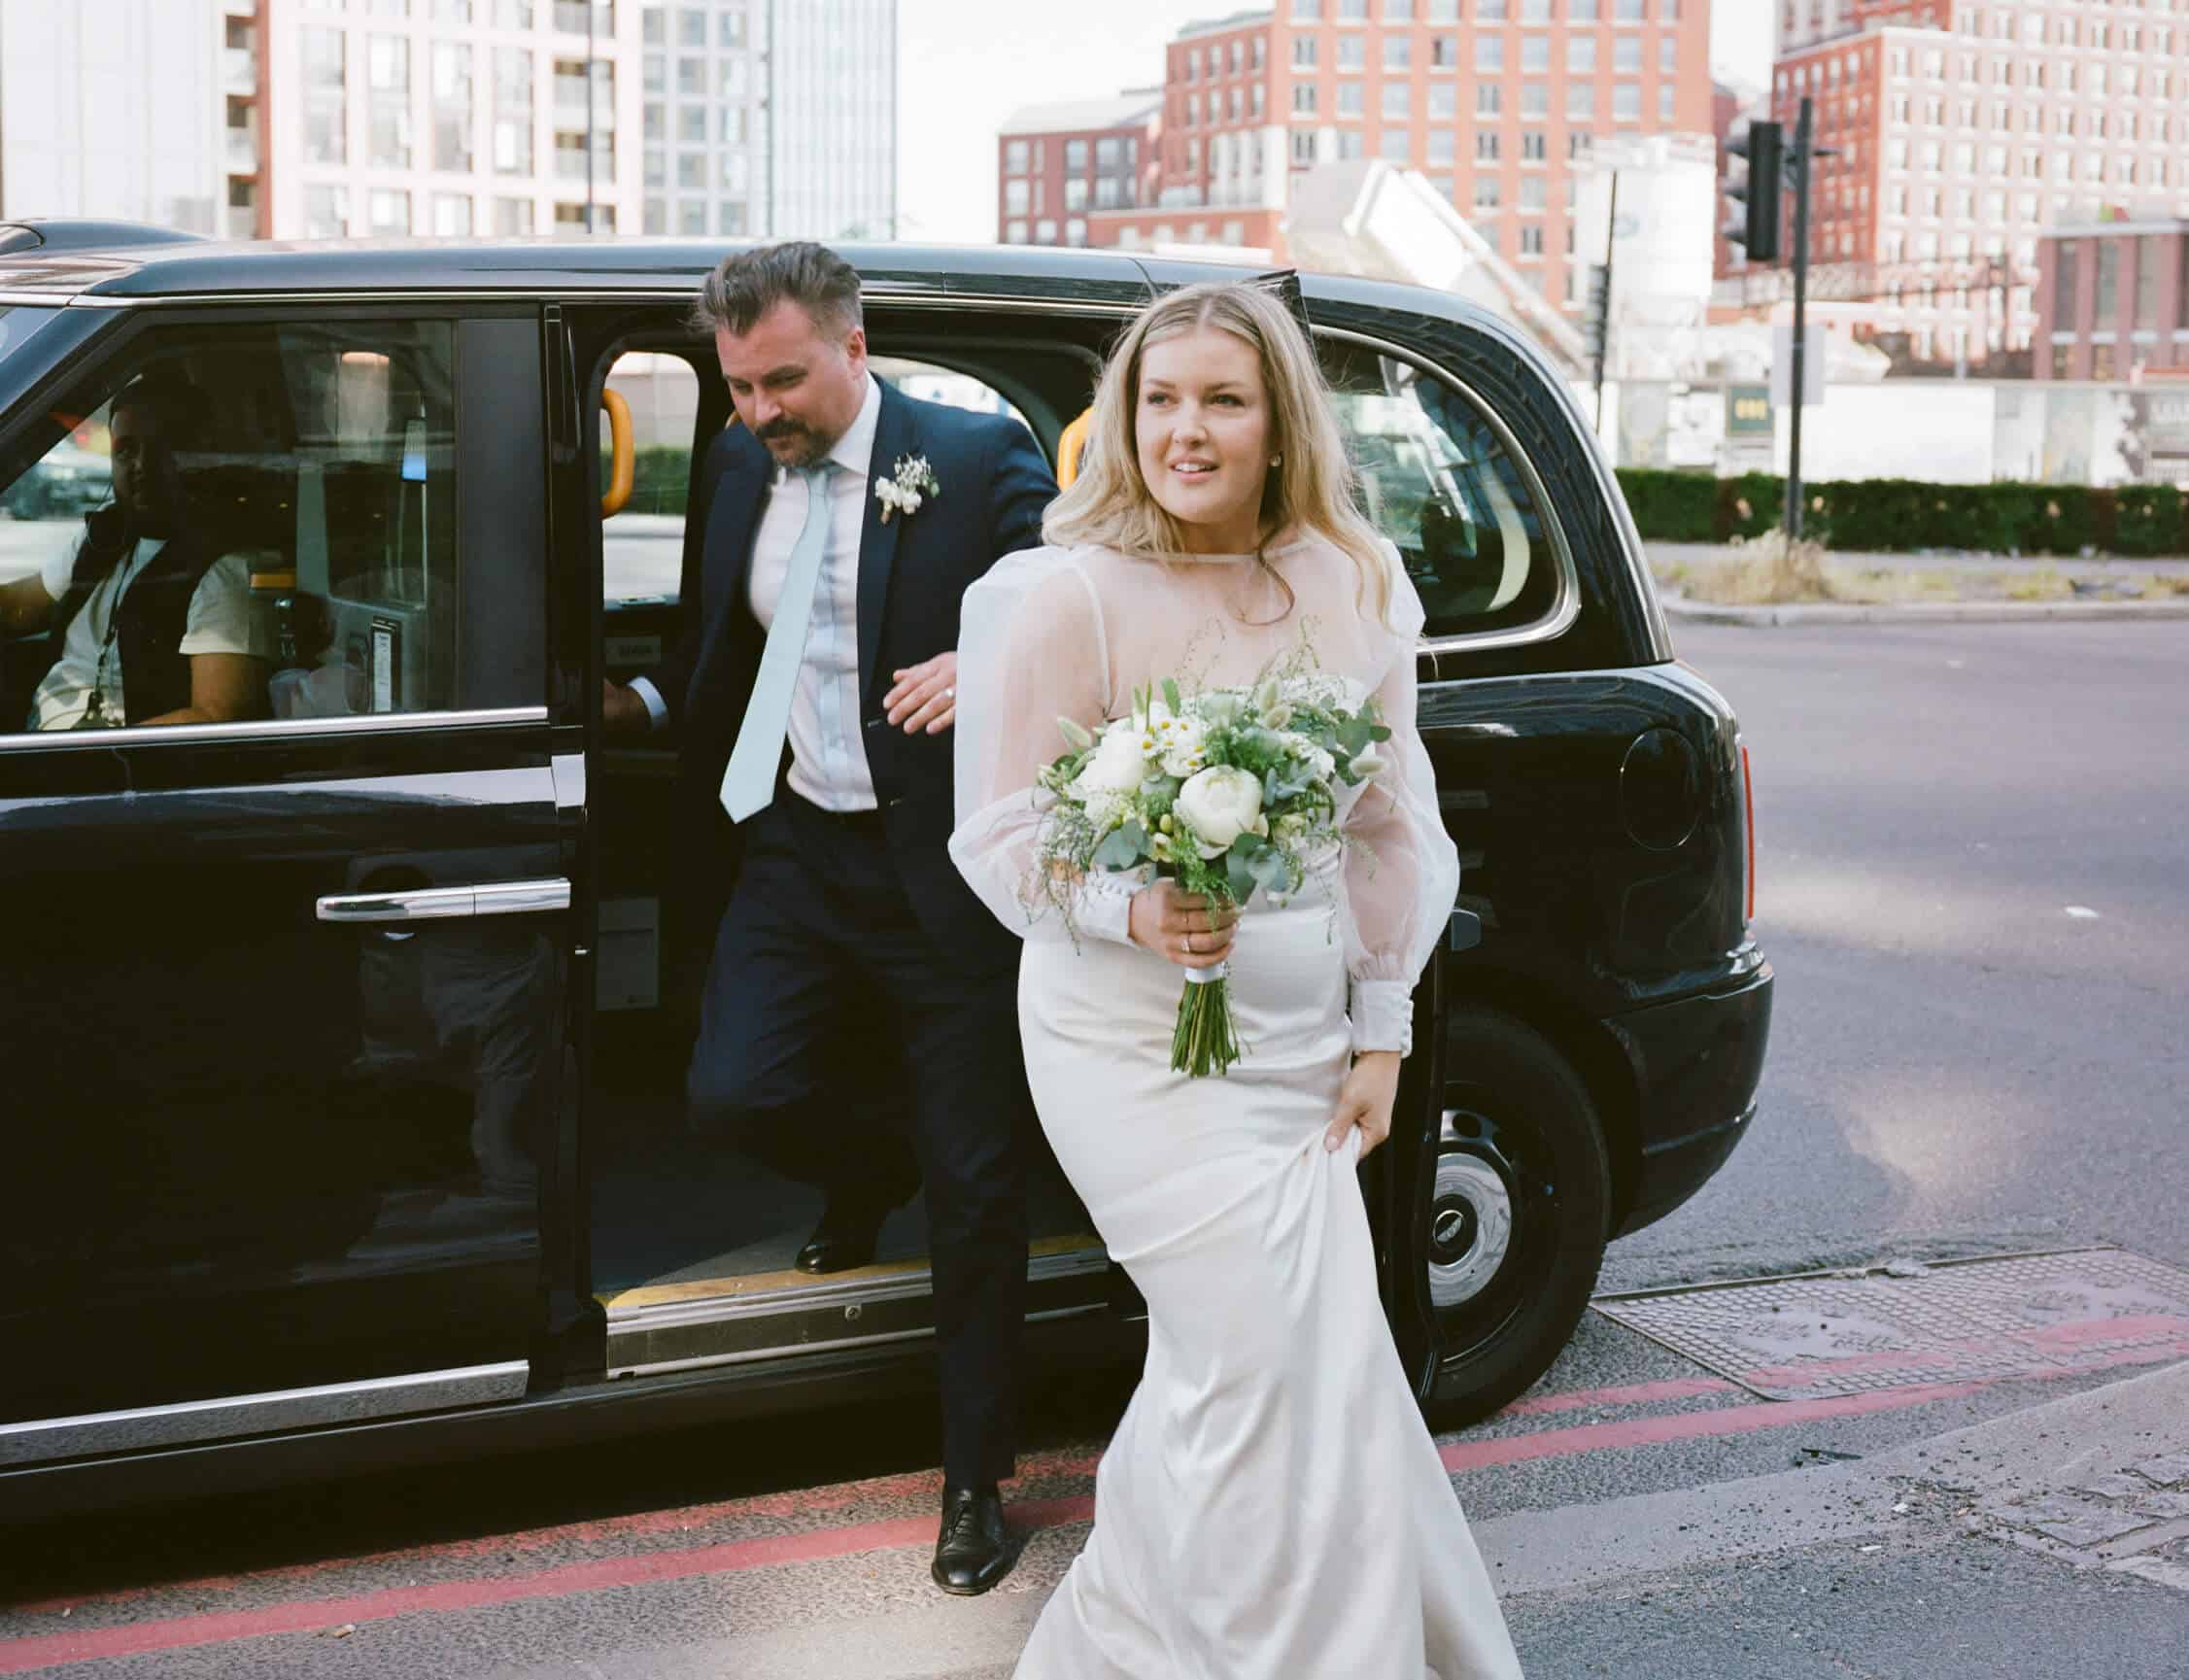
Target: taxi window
642,543
296,515
1436,478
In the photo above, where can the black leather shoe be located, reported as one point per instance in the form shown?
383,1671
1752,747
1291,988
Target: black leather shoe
973,1551
844,1238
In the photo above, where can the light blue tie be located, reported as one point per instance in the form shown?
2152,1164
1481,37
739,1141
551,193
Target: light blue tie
748,785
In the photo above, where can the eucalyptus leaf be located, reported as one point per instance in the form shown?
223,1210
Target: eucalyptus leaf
1242,875
1122,849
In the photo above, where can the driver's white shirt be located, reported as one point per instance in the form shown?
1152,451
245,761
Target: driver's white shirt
220,620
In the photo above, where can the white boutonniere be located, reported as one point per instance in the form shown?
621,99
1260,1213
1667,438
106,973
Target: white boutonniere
903,490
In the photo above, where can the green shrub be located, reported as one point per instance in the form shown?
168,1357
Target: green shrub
2149,519
1672,507
1899,515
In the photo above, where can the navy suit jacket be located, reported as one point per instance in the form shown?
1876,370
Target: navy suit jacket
913,571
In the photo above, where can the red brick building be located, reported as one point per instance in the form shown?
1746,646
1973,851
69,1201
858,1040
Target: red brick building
1058,165
2113,300
1493,100
1965,128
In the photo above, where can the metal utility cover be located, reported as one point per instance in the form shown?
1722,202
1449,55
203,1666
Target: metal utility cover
1848,1333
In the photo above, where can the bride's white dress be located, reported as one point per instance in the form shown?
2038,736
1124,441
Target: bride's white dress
1272,1506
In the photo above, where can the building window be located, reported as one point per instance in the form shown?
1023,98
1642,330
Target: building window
1106,154
326,213
1303,146
1580,55
1075,193
1303,99
1535,54
1304,51
1393,148
1353,99
1625,102
512,111
1075,156
1486,191
452,214
1351,144
2102,361
1398,52
452,113
1444,102
1489,55
1015,157
388,102
1076,230
1667,54
1488,99
387,213
513,217
1444,53
1531,242
734,39
325,109
1398,101
1485,148
1044,230
1443,148
1627,55
2150,253
1535,99
1533,146
1014,198
692,125
1014,233
1353,53
1535,193
1580,101
1664,102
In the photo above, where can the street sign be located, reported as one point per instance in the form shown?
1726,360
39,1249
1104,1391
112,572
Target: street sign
1748,411
1782,367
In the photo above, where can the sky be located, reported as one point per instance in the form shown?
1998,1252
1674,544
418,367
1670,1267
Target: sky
966,65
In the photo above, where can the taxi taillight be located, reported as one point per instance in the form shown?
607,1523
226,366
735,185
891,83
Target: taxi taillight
1748,819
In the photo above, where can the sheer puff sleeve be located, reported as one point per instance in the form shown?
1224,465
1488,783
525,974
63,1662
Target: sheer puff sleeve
1403,880
1031,649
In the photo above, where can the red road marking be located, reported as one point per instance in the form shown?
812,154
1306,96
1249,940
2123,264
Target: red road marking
26,1655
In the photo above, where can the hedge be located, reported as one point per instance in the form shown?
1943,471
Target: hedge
1890,515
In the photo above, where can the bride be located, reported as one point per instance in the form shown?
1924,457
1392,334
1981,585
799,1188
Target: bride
1272,1506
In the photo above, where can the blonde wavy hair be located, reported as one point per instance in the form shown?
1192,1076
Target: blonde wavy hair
1310,492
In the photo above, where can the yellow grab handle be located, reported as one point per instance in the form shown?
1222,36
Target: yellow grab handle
1071,445
621,454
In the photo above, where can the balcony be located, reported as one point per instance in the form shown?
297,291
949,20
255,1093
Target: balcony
239,70
243,151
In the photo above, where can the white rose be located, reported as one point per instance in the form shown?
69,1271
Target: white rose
1219,804
1116,767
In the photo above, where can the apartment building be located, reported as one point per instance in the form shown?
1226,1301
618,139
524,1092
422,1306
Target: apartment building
831,104
1962,139
2113,300
116,110
703,104
1495,101
455,118
1058,165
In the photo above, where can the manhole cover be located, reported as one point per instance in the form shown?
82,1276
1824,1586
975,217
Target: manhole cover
1802,1338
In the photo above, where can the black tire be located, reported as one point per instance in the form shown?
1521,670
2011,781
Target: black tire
1517,1120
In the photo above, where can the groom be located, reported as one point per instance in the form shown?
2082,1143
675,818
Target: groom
815,685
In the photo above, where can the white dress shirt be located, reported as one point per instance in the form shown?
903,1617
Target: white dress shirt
828,759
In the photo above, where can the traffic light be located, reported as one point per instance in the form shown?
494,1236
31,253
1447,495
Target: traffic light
1595,319
1752,185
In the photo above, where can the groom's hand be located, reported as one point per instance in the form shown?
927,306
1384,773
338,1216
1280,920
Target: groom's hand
925,696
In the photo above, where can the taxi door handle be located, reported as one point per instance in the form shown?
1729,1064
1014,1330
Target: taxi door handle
434,903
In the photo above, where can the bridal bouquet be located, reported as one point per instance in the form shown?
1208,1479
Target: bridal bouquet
1224,790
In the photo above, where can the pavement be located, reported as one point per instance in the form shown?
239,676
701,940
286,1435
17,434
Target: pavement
2094,578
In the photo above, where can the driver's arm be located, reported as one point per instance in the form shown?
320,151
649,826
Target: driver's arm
25,606
224,687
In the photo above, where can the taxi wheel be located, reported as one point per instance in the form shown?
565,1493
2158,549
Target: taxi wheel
1512,1209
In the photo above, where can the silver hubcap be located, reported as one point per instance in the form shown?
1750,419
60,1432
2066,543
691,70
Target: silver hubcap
1470,1229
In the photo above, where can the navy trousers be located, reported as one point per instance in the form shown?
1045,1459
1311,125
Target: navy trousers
835,1032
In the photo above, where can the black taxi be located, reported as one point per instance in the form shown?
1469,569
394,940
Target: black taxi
342,1035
